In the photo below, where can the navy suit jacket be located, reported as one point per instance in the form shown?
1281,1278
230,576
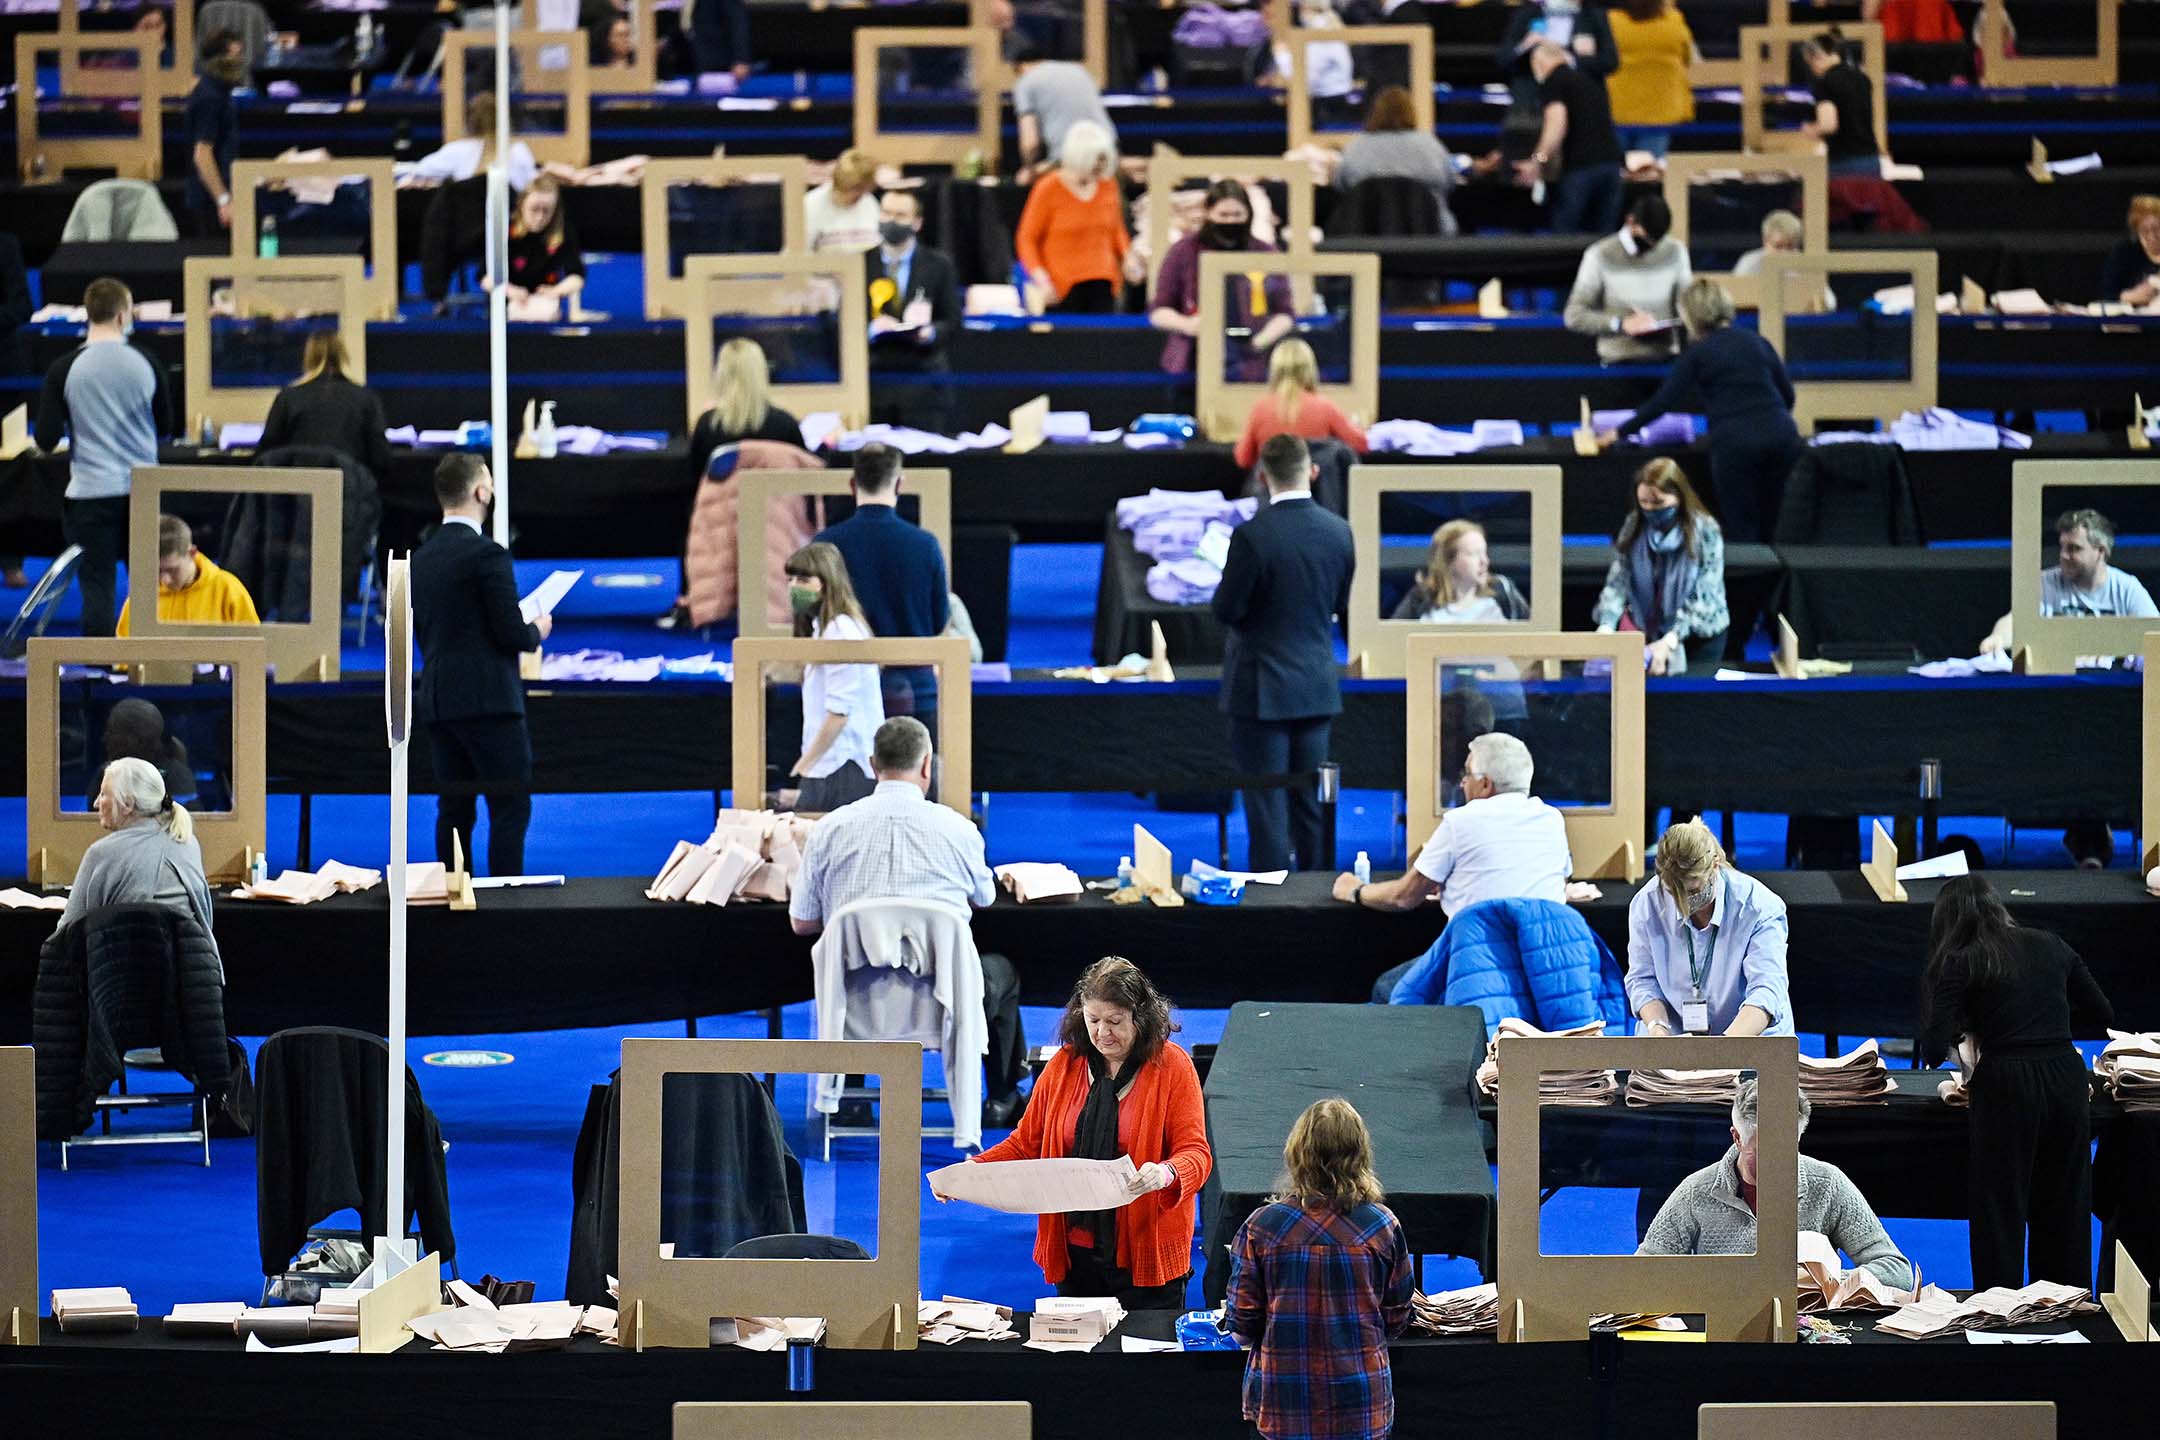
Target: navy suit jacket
1287,578
465,616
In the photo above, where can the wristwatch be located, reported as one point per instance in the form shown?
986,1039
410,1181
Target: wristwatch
1357,897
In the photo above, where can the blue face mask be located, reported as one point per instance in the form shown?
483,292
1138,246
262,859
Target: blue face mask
1663,519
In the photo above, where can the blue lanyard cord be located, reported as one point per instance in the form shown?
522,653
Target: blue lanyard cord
1696,975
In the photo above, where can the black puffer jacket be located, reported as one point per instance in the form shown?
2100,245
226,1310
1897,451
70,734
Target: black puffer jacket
120,977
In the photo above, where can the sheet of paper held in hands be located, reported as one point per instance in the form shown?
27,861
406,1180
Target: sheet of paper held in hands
1039,1187
548,594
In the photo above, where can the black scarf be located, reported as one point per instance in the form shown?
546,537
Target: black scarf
1095,1137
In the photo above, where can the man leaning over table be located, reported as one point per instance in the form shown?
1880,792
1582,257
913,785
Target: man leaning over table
898,844
1706,945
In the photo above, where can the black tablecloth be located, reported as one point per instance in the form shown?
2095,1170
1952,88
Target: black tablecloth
133,1385
1409,1070
632,503
1941,602
596,952
2032,747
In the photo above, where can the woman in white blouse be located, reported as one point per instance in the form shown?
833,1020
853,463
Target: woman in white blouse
842,704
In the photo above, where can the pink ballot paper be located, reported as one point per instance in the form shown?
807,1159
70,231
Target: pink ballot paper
1039,1187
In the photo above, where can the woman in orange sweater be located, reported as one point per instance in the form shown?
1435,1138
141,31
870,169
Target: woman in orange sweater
1118,1086
1072,239
1295,406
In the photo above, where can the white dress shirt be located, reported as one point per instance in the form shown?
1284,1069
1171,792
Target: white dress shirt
1740,954
1504,847
850,690
893,844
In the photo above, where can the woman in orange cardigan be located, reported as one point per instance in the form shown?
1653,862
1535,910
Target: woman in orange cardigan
1294,405
1072,239
1118,1086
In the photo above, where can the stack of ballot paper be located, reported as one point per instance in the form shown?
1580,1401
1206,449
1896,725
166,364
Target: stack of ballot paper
1032,883
1064,1323
773,1332
95,1310
751,854
290,1324
1825,1283
14,899
1470,1311
301,887
215,1319
427,882
1682,1087
1936,1313
952,1319
1954,1091
1858,1077
478,1324
1555,1087
2130,1068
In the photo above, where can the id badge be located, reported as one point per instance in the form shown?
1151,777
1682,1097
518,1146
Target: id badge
1695,1017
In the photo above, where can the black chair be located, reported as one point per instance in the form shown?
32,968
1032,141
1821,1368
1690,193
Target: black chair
797,1247
261,543
128,985
1387,205
1330,488
320,1143
43,602
453,234
1850,494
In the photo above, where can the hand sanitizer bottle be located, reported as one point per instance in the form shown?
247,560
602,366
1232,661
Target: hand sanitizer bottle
1124,872
544,432
1363,868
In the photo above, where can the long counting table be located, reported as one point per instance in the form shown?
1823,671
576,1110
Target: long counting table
596,952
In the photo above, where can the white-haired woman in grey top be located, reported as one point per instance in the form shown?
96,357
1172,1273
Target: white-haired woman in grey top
150,856
1713,1211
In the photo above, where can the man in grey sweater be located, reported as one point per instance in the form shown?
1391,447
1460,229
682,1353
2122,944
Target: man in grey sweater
109,399
1713,1211
1627,290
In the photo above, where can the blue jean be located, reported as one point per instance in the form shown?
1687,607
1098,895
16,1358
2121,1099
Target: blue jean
1587,201
1868,166
1656,139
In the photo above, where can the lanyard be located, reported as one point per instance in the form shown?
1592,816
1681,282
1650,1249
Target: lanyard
1696,974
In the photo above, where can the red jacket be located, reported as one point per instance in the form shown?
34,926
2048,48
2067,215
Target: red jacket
1169,1126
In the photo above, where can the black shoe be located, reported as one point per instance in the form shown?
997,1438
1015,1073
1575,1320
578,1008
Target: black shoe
1004,1114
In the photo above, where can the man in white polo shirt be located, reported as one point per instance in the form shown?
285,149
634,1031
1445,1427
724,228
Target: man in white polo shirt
1503,844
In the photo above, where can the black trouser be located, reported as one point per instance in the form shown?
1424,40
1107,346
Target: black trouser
1006,1065
2090,840
1750,475
2028,1167
473,753
1086,297
915,399
1088,1275
1275,820
827,793
100,528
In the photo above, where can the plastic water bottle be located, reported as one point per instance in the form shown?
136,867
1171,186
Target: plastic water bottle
1363,868
266,244
544,432
364,38
258,869
1124,872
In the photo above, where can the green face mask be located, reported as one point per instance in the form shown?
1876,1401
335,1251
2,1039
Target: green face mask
803,599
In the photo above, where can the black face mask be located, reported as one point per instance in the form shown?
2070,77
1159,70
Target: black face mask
1225,237
230,70
896,233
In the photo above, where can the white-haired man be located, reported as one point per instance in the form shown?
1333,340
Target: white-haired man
1502,844
1712,1212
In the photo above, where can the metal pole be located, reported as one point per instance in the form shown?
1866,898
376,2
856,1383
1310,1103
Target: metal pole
498,266
394,1170
1330,795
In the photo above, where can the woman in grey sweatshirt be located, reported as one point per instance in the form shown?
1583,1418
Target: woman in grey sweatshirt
1393,146
150,856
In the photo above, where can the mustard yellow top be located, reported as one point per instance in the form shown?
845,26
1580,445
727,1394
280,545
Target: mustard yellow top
1651,85
216,598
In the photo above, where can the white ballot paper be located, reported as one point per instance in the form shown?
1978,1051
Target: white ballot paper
1039,1187
548,594
1942,867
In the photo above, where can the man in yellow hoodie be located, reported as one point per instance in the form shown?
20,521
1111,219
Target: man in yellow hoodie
190,587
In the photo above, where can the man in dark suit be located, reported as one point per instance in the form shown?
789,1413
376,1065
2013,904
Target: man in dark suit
899,575
466,618
909,382
1286,579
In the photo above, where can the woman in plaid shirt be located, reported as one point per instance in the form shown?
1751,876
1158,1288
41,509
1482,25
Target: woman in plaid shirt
1320,1281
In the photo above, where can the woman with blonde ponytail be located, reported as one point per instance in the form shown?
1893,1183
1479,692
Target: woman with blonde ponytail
1294,405
148,856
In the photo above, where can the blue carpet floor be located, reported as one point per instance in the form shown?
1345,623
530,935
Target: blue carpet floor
173,1231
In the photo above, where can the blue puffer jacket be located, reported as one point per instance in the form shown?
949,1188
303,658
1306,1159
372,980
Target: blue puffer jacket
1532,959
